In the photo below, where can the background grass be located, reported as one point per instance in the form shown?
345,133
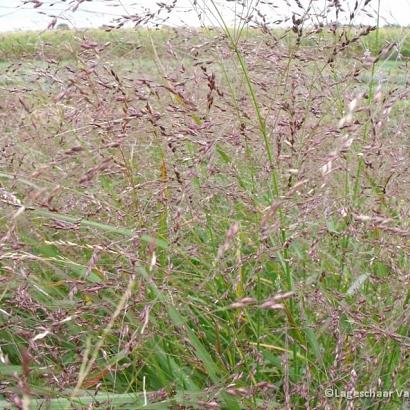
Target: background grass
129,43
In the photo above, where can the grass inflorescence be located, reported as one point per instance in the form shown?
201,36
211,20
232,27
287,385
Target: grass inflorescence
212,218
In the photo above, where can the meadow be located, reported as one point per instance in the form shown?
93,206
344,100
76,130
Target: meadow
204,219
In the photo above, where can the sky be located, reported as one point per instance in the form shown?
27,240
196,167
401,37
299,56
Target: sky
16,15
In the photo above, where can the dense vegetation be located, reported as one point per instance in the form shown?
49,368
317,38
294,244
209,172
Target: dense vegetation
66,44
199,219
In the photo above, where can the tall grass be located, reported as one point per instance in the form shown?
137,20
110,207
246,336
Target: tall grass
203,219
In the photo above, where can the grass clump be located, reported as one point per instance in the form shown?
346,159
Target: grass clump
220,222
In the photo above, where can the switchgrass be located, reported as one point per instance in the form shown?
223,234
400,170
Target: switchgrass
217,220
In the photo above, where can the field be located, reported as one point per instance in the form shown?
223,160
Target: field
198,220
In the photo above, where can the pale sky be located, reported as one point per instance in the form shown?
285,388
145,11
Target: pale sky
15,15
